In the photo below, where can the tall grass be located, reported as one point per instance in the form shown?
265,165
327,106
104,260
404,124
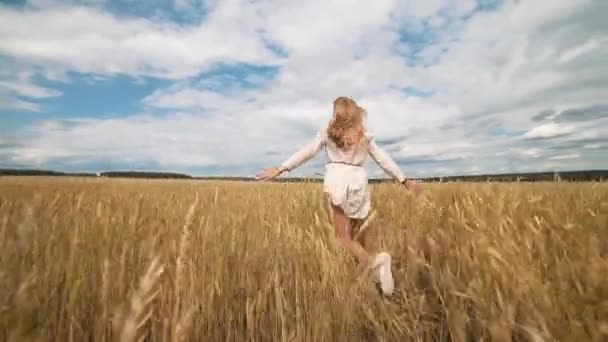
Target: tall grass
126,260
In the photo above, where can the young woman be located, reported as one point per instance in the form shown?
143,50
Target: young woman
347,144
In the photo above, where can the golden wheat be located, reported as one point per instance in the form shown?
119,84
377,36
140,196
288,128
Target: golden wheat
259,262
129,325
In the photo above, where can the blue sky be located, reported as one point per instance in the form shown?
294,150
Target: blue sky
226,87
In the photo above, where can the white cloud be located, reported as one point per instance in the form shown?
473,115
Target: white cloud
27,89
19,91
437,149
488,76
565,156
181,140
94,41
581,50
9,101
595,146
549,130
532,152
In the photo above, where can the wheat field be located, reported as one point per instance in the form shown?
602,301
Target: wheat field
160,260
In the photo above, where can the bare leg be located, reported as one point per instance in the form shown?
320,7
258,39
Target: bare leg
343,233
381,262
362,235
329,210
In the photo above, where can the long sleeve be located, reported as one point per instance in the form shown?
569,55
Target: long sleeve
305,153
385,162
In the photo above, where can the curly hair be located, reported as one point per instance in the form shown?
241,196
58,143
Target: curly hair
345,128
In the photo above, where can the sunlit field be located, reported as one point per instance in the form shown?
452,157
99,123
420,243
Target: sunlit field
165,260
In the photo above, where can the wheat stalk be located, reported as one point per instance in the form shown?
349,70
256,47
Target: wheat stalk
141,304
183,328
184,246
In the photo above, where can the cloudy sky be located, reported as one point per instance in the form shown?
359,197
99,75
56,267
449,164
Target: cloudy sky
226,87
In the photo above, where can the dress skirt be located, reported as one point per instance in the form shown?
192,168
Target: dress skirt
347,187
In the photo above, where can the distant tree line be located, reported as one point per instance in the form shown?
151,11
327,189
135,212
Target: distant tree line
34,172
140,174
568,176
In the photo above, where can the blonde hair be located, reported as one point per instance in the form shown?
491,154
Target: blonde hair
346,128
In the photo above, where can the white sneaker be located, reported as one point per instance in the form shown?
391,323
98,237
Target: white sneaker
382,268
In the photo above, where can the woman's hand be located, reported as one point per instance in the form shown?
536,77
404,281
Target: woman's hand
269,174
413,186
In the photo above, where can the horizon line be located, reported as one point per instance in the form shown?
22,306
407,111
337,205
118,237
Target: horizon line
316,176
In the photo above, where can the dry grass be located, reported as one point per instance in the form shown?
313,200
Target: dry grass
125,260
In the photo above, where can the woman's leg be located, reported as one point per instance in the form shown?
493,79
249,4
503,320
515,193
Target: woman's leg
361,234
329,210
363,229
343,233
381,262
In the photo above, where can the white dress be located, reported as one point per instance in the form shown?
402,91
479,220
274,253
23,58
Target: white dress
345,179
